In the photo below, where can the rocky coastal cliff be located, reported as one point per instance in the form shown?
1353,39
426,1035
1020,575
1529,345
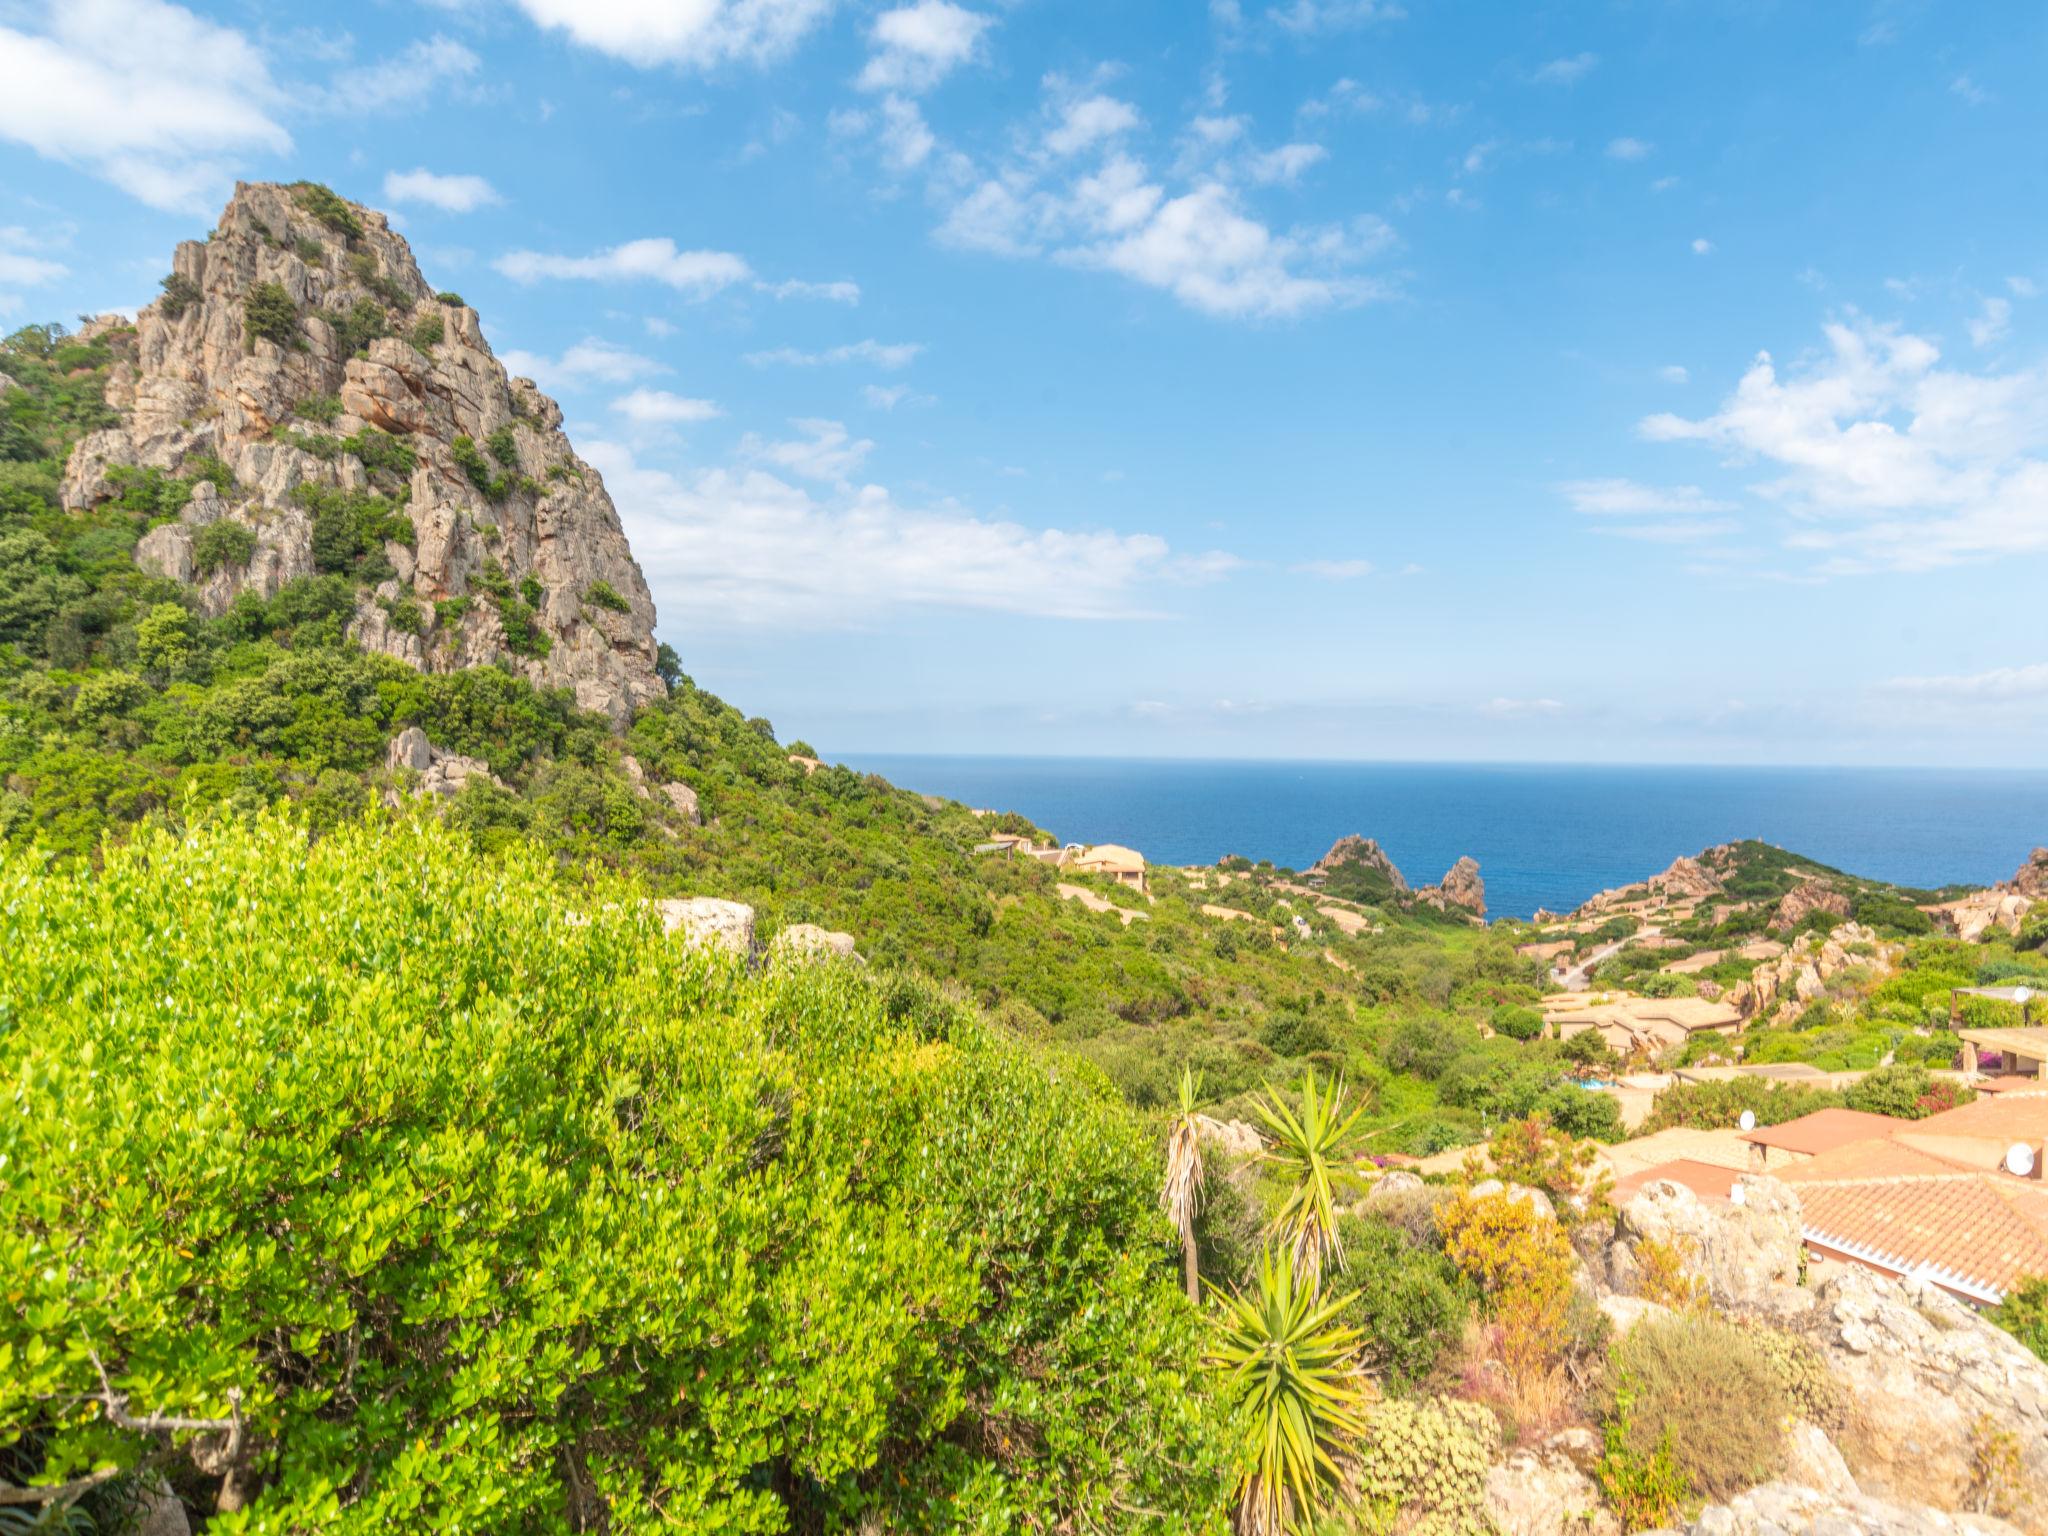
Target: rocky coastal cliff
347,419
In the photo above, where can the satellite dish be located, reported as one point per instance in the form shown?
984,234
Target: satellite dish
2023,995
1738,1195
1748,1121
2019,1160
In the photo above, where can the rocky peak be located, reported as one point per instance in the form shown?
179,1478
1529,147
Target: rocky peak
1460,887
301,373
1806,898
1366,851
2032,878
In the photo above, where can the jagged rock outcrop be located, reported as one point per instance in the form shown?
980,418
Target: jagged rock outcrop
2032,878
1786,1509
2004,907
1807,898
1351,849
681,798
1239,1136
1685,879
1460,887
1747,1255
303,322
438,773
711,922
1803,972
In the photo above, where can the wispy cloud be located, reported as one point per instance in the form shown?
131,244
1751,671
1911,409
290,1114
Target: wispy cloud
588,359
1629,149
886,355
1630,498
701,34
1994,684
917,46
1521,709
841,292
1334,570
451,194
694,274
1566,71
657,407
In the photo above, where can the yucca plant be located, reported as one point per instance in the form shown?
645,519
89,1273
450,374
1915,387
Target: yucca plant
1308,1143
1180,1196
1291,1374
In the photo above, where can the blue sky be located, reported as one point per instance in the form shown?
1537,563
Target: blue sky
1655,381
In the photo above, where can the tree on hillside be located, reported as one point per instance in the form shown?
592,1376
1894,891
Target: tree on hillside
1307,1145
1180,1196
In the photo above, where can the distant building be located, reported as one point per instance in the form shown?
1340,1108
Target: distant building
1126,866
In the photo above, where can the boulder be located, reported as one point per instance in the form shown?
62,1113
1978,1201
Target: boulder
1748,1254
1460,887
440,773
2032,877
807,941
1787,1509
1625,1312
1812,1460
711,922
157,1511
1548,1490
684,799
1929,1383
1237,1136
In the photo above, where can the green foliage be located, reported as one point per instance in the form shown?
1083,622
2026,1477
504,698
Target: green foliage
1428,1460
478,1200
1517,1021
363,268
1644,1488
362,323
449,296
1409,1301
503,444
1908,1092
164,639
477,469
1285,1362
325,409
602,594
382,454
2024,1313
427,332
1719,1105
323,204
350,529
1700,1388
223,544
309,250
1810,1388
269,314
1306,1146
180,293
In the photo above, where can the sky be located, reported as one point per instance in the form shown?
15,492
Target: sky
1649,381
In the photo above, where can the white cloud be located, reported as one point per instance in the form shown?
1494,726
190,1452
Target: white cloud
1307,18
18,266
657,407
741,546
407,79
1520,709
1674,373
2023,287
826,451
1703,247
886,355
1285,164
699,34
1089,121
1881,457
796,288
143,94
656,326
451,194
1335,570
886,397
906,140
1992,323
917,46
1971,92
1629,498
1663,183
1566,71
1998,683
696,274
1629,149
590,358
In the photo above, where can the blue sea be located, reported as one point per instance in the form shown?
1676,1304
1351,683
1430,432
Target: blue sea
1544,836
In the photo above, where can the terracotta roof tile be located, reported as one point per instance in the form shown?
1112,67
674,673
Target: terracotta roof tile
1978,1228
1823,1131
1709,1181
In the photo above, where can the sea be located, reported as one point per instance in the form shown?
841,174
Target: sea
1544,835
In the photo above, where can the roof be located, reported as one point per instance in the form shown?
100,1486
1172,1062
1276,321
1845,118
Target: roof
1973,1231
1682,1143
2030,1043
1111,856
1681,1013
2006,1117
1875,1159
1823,1131
1709,1181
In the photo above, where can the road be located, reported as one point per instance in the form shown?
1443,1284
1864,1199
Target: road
1577,978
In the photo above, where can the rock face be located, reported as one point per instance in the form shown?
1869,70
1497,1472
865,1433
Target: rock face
1687,878
807,941
2032,879
538,549
1548,1490
711,922
1786,1509
1239,1136
1460,887
440,773
2004,907
1353,849
1806,898
1927,1381
1747,1254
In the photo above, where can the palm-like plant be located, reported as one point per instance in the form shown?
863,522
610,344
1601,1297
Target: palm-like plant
1180,1196
1291,1372
1308,1144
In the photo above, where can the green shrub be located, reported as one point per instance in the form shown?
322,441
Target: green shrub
381,453
1644,1488
1809,1386
1517,1022
222,545
1704,1387
325,409
2024,1313
364,269
449,296
427,332
364,322
1410,1303
602,594
309,250
530,590
503,444
1908,1092
478,1200
1429,1459
1719,1106
476,468
270,314
180,294
322,203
